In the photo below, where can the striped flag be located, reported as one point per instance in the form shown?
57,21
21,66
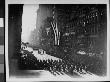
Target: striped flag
55,27
1,45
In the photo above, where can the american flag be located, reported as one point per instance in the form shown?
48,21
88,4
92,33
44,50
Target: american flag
1,45
55,27
2,5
